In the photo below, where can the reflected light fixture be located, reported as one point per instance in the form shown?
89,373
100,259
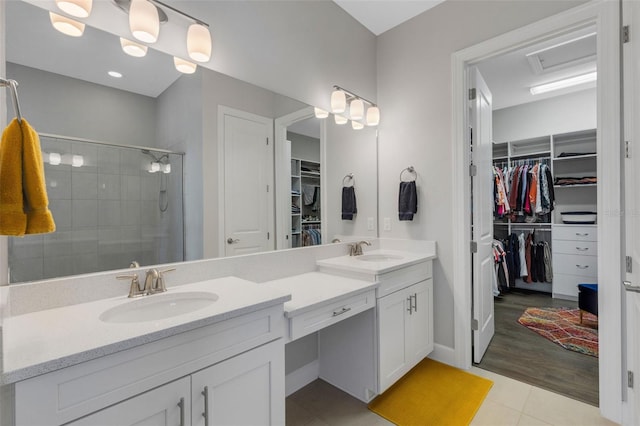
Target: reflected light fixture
356,109
183,66
115,74
144,21
356,125
199,43
320,113
66,25
340,119
154,167
55,158
77,161
77,8
338,101
373,116
132,48
562,84
166,168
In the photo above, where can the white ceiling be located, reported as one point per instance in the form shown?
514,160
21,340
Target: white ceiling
382,15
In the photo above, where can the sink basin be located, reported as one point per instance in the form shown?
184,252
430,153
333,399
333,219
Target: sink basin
158,307
378,257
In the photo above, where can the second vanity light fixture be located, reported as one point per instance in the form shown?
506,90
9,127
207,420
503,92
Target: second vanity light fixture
145,17
340,98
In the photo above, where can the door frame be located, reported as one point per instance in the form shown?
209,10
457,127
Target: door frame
606,16
222,111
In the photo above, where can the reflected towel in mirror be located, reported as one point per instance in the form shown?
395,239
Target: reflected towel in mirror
349,208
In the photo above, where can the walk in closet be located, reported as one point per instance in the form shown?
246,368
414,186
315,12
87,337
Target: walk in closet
545,213
306,224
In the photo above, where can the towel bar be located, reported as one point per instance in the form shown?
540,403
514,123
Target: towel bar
412,171
348,177
13,85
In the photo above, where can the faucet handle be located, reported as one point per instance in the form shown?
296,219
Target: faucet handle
160,286
134,264
134,289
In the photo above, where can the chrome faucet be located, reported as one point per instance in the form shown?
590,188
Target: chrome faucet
355,249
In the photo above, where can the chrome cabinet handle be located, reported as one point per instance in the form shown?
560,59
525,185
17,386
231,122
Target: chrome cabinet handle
181,405
415,302
410,308
582,248
340,312
232,241
205,393
580,234
582,266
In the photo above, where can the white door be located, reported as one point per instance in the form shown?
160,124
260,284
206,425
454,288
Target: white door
248,182
482,225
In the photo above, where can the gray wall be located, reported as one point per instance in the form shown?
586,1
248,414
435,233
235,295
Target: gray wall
66,106
414,92
304,147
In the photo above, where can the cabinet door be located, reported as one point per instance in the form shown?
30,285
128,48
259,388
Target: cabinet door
245,390
167,405
420,324
392,337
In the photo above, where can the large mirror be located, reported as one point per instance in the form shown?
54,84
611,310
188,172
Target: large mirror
158,166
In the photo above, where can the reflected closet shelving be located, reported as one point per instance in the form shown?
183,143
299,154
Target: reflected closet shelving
305,199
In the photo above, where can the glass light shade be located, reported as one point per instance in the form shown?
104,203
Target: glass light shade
373,116
55,158
166,168
340,119
66,25
155,167
356,125
144,22
338,101
77,8
77,161
183,66
199,43
356,109
132,48
320,113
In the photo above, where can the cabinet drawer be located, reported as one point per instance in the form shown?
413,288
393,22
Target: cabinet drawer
401,278
575,247
584,266
565,286
327,315
575,233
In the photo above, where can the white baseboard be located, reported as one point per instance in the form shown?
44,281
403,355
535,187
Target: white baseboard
443,354
301,377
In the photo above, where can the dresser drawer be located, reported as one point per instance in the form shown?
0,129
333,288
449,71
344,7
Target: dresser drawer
581,248
401,278
584,266
575,233
331,313
565,286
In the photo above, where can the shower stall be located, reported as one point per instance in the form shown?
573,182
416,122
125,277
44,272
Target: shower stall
112,205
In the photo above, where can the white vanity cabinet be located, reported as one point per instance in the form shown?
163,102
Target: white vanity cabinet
239,361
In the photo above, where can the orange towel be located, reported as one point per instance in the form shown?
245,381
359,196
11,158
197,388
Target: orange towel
24,205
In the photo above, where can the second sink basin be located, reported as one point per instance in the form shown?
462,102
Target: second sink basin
378,257
159,306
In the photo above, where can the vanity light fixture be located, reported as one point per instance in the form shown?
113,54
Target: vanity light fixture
356,109
356,125
77,161
320,113
373,116
154,167
66,25
338,101
357,106
340,119
144,21
55,159
132,48
115,74
562,84
77,8
183,66
199,43
166,168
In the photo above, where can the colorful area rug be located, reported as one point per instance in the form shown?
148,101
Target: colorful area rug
562,326
432,393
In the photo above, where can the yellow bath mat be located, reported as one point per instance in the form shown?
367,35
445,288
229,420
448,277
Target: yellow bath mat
432,393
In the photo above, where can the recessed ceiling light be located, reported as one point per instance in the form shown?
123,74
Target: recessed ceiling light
115,74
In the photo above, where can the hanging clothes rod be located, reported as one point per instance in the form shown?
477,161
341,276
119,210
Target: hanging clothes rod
13,85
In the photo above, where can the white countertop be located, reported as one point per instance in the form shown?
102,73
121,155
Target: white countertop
313,289
356,264
44,341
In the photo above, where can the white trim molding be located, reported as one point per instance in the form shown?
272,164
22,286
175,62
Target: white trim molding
605,15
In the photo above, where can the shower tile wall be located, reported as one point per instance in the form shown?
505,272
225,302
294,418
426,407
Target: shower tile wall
107,214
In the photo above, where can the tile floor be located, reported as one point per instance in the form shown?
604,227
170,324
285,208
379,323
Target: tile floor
508,403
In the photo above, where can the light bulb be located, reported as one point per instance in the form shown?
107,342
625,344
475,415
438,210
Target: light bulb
166,168
55,158
373,116
144,21
183,66
77,161
199,43
320,113
356,125
356,109
338,101
155,167
340,119
132,48
66,26
77,8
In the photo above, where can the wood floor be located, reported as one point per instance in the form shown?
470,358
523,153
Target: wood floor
521,354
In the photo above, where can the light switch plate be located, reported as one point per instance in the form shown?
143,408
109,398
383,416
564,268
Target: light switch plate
387,224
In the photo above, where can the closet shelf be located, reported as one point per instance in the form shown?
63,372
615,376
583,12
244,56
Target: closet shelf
575,157
583,185
310,221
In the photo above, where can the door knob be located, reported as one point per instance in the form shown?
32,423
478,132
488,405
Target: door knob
232,241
